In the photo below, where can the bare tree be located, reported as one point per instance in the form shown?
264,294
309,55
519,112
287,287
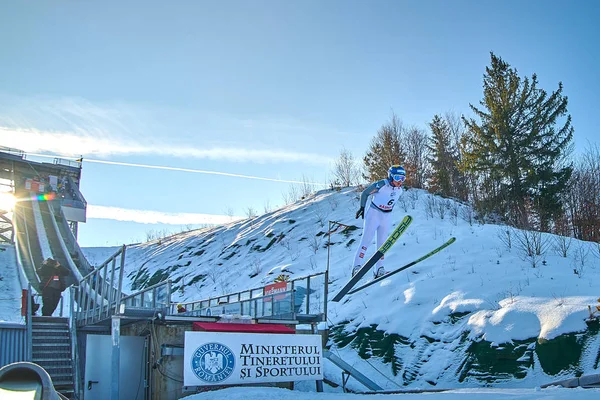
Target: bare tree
307,187
229,212
267,206
292,195
251,212
346,172
562,245
532,245
582,201
415,142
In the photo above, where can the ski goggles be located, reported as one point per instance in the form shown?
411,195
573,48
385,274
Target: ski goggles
399,177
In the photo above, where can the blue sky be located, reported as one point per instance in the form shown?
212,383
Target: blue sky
263,89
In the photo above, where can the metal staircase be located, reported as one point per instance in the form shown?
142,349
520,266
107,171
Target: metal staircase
51,349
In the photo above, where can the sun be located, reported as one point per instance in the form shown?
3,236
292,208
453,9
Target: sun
7,201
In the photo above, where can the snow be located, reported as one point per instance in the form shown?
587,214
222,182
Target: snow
10,287
479,287
504,297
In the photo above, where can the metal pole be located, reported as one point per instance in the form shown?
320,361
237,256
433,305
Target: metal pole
328,243
115,357
120,284
29,322
326,289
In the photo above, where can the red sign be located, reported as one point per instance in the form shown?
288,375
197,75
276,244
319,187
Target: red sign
274,288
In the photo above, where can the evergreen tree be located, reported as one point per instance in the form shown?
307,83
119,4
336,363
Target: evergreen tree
517,149
384,150
441,157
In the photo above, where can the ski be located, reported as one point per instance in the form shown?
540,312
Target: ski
375,257
374,281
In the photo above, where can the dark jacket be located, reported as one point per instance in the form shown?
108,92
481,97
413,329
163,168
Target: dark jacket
52,275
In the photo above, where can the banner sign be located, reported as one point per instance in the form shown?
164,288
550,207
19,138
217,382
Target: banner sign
235,308
217,358
279,287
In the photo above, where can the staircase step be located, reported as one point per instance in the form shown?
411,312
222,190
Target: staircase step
50,343
51,350
51,328
52,339
44,347
59,359
64,383
50,325
59,373
52,359
48,328
66,377
51,335
37,318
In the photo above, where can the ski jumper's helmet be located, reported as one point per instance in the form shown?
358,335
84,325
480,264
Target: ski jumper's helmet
396,173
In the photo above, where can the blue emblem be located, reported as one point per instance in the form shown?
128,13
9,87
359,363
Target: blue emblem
213,362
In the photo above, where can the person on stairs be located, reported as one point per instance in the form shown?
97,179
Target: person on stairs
378,215
52,279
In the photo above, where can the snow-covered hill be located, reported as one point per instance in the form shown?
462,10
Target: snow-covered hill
483,311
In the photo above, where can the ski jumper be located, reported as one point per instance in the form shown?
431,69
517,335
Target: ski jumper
377,217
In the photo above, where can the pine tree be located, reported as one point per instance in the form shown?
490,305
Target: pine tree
441,157
517,150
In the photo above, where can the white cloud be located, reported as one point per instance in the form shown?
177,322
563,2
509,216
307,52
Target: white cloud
156,217
73,127
71,144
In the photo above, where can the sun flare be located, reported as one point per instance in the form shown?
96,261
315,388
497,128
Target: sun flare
7,201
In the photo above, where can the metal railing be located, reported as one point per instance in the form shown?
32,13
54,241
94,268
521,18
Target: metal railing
9,150
99,294
67,163
303,298
155,297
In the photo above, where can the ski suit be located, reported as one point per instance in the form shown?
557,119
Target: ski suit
377,216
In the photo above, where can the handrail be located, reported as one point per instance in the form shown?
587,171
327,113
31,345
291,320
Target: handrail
12,151
74,346
92,290
156,298
255,303
29,333
100,294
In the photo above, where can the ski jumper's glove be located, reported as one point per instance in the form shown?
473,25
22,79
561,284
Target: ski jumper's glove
360,213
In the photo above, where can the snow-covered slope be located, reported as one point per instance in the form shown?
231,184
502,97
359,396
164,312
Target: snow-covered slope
483,310
10,286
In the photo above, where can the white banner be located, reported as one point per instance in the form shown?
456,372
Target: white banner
217,358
